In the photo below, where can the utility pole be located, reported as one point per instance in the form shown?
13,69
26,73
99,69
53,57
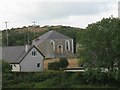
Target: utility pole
6,32
34,26
112,16
28,40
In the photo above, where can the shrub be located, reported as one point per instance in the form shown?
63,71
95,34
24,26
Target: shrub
23,85
53,66
5,67
63,62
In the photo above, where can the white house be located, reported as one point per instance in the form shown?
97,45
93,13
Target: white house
23,58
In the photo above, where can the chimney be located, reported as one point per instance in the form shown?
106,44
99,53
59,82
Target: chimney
26,48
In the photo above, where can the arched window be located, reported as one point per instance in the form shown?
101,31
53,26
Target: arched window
53,44
67,45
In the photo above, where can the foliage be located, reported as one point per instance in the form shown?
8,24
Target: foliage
91,78
53,66
23,85
5,67
63,62
99,45
19,38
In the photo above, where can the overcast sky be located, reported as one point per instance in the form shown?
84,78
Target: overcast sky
75,13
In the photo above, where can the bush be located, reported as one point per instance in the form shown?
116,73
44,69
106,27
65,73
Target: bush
53,66
63,62
5,67
23,85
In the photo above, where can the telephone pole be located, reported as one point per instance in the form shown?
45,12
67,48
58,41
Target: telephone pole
28,39
34,26
6,33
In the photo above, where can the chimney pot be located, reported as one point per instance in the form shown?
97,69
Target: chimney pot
26,47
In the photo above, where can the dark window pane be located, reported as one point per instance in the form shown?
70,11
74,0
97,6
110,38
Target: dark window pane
38,64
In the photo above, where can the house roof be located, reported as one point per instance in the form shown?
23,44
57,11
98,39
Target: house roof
53,35
50,35
15,54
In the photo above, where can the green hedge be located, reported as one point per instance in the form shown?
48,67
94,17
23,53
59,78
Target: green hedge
59,79
53,66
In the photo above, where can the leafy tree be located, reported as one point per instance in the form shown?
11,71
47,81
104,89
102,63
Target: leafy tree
5,67
63,62
99,45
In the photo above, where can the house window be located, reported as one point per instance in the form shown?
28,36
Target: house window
34,53
53,44
38,65
11,67
67,45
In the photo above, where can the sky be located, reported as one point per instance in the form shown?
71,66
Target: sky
74,13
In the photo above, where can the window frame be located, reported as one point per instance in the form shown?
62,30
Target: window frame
34,53
38,65
67,45
53,44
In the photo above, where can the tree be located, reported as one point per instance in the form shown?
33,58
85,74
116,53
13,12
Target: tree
99,45
5,67
63,62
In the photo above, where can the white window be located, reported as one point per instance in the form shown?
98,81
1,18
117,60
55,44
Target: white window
67,45
38,65
53,44
34,53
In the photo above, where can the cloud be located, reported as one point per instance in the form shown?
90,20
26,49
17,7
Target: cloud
82,21
52,10
56,10
22,12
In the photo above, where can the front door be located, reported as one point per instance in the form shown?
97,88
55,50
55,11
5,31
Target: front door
60,49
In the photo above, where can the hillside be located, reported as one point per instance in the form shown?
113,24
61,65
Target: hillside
37,28
25,35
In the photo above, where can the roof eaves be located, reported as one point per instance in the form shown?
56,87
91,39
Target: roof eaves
25,54
39,51
28,52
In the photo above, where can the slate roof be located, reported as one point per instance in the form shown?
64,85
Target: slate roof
15,54
50,35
